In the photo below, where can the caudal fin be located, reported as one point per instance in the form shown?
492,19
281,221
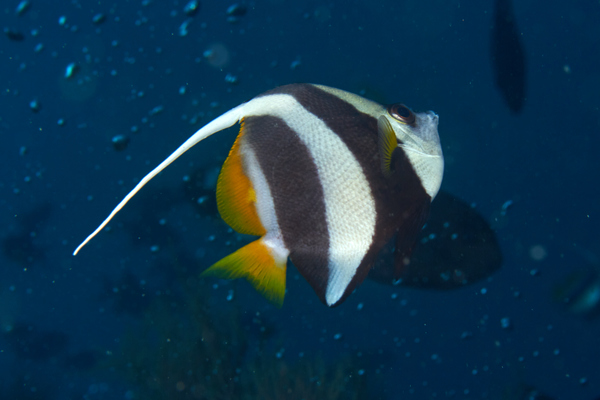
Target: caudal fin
259,265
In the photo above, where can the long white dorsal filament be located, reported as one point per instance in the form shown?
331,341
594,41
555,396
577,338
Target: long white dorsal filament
224,121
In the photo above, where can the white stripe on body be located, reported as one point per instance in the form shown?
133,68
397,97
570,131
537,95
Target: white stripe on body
349,203
264,206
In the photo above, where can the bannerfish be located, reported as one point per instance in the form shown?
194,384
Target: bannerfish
326,178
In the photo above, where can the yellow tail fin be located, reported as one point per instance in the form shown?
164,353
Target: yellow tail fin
258,265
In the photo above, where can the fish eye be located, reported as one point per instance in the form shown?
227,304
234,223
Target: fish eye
402,113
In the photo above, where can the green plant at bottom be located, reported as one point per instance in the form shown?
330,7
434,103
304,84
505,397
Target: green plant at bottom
183,350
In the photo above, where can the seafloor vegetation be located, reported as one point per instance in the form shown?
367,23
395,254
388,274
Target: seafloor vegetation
186,349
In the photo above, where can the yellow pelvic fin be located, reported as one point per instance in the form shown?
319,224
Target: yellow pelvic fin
387,143
257,263
236,199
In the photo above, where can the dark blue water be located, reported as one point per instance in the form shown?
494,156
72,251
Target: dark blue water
118,320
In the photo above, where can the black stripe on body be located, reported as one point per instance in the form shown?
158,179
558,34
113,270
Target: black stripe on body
297,195
401,201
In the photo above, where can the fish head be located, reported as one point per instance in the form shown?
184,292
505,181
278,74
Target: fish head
417,135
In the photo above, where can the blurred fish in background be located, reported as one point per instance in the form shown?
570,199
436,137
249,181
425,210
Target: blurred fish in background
457,247
508,56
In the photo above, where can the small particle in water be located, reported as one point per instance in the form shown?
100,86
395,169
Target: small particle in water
483,291
22,150
60,122
156,110
183,28
505,207
22,7
237,10
217,55
583,381
98,19
35,105
534,272
538,252
13,35
232,79
62,20
202,199
182,90
337,336
295,64
466,335
38,47
192,8
120,142
230,295
154,248
71,70
361,372
359,306
505,323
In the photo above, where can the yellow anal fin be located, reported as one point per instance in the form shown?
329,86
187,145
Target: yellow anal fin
236,199
257,263
387,143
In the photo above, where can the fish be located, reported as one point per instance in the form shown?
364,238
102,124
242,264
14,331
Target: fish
508,56
326,178
456,247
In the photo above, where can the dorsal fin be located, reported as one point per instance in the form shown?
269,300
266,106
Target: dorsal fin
224,121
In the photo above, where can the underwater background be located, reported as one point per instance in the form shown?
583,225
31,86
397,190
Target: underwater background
94,94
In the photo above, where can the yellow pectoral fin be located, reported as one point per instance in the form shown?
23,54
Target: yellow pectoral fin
387,143
236,199
258,265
